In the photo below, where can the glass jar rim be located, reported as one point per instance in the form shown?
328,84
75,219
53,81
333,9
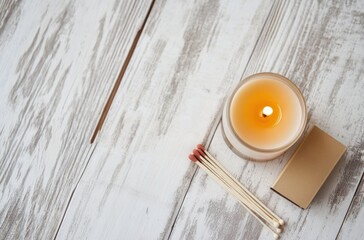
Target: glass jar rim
292,86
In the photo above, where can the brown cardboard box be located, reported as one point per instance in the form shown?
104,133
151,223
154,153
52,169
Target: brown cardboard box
309,167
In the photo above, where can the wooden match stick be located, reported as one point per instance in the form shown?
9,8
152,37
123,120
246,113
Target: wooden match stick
231,184
273,221
280,221
248,205
244,197
234,183
218,180
277,222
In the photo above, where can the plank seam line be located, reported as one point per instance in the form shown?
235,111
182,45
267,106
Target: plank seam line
351,204
74,190
259,37
120,76
208,143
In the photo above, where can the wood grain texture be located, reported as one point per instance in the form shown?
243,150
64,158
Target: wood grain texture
58,62
352,227
320,46
8,8
188,58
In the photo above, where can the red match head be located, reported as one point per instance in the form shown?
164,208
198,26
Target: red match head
202,153
192,158
200,146
196,153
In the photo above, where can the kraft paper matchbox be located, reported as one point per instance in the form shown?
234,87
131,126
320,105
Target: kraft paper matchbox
309,167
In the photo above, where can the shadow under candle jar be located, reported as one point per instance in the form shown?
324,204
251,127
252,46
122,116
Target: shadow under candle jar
264,116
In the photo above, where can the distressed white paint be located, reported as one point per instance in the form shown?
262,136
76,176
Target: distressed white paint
188,57
320,47
187,60
58,62
352,227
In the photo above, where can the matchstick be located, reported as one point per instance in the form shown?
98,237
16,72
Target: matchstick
218,172
251,207
248,196
244,197
218,180
280,221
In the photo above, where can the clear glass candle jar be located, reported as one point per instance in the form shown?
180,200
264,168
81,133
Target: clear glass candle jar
264,116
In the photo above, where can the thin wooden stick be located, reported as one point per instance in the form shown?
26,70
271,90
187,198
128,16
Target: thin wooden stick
280,221
247,195
241,193
251,207
120,76
276,236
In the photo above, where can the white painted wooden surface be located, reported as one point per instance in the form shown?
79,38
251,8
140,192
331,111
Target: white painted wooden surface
178,78
353,224
320,47
58,62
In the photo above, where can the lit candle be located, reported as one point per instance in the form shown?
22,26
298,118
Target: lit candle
264,116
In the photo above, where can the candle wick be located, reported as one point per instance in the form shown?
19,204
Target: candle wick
267,111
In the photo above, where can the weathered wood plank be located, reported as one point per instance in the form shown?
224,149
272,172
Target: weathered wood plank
187,59
58,62
352,227
7,9
320,46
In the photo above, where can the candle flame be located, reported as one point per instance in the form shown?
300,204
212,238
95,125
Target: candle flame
267,111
